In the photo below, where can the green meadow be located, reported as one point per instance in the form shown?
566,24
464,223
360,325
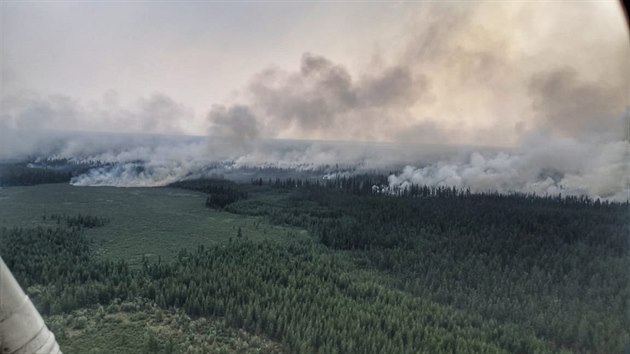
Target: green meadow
150,222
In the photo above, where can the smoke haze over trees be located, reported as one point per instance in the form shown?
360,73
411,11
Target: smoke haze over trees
551,99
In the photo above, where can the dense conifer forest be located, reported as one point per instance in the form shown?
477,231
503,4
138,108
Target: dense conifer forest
220,192
28,174
21,175
434,270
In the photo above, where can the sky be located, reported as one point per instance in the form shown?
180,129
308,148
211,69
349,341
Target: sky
196,53
456,72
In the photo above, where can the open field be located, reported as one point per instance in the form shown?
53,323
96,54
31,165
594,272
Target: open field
143,221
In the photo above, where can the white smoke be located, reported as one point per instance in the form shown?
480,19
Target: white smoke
145,166
543,164
541,167
157,161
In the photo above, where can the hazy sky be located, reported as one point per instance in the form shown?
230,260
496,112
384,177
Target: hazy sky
473,72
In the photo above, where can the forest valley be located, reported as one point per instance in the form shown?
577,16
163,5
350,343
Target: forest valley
420,270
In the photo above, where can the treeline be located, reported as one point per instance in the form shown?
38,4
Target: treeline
21,175
373,183
294,293
556,266
52,171
79,220
356,184
221,192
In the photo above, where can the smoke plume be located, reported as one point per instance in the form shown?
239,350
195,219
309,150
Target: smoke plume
544,85
540,166
479,73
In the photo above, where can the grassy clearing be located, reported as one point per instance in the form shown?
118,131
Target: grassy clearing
144,221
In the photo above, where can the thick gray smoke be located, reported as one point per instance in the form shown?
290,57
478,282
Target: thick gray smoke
549,94
233,131
322,100
477,73
574,108
542,167
323,95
